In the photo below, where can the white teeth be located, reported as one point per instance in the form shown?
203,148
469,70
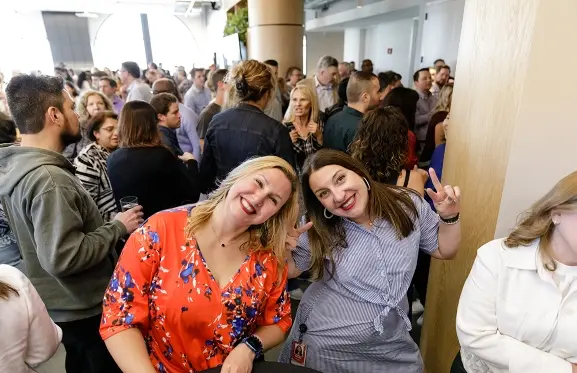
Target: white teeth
348,203
247,205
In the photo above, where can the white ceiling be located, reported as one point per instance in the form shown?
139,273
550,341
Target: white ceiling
106,6
371,21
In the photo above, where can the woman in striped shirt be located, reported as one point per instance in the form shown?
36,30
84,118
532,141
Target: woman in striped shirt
90,164
363,250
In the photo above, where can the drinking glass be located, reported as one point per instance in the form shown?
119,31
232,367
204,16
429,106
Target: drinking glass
128,202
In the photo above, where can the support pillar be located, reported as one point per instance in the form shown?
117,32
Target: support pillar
146,38
354,48
512,136
276,32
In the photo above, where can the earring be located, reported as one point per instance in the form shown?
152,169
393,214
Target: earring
367,183
556,222
326,215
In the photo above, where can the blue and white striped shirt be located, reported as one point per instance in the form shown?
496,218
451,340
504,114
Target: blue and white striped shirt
377,267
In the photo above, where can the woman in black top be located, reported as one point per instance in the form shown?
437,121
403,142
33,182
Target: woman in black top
144,168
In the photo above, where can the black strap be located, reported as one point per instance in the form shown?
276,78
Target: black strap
407,177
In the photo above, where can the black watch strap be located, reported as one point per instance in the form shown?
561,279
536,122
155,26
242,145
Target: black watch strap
254,343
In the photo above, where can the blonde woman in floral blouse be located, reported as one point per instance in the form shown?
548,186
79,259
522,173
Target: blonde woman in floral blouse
205,285
90,164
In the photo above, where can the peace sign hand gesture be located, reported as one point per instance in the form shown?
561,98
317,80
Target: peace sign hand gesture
294,234
447,199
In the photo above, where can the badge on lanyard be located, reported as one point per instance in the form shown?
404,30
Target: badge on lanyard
298,353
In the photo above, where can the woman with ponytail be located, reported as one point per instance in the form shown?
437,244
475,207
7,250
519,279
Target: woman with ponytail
517,309
244,130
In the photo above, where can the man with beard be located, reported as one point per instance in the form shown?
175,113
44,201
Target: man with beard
68,251
443,73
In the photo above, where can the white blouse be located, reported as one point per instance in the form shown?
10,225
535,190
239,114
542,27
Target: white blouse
29,337
515,316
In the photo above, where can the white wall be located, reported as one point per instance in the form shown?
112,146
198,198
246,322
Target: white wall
396,35
354,45
442,32
25,46
199,31
216,21
320,44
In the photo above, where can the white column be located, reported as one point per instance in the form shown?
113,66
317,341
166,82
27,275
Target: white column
354,46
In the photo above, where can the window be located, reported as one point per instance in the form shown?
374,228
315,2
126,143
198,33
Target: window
120,39
26,49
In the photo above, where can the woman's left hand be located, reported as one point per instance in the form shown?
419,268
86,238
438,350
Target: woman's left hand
239,360
447,199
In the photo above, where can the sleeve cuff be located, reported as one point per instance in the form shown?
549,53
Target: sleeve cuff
119,225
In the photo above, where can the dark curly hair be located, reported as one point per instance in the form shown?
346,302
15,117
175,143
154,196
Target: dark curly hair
381,143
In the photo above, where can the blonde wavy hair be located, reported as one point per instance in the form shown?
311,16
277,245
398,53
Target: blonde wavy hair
269,236
537,222
83,101
445,98
309,94
250,80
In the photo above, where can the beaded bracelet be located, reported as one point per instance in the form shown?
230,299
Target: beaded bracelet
451,221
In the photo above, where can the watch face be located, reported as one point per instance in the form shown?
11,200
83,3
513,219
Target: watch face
255,344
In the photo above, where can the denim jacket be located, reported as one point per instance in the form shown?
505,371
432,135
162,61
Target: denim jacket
237,134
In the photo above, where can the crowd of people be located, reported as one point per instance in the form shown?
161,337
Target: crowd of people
155,223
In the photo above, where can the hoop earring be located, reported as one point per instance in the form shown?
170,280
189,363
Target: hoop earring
326,216
367,183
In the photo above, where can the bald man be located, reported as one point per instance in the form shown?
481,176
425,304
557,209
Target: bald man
186,134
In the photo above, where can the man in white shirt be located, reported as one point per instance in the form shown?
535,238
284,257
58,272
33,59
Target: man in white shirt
325,82
130,77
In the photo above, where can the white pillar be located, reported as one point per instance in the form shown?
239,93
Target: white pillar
354,46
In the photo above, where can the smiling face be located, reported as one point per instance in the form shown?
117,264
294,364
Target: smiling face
301,103
341,191
255,198
94,104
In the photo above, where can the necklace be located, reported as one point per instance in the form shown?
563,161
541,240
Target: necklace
222,244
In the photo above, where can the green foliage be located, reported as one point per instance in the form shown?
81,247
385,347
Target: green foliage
237,22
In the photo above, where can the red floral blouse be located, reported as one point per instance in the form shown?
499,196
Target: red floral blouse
162,286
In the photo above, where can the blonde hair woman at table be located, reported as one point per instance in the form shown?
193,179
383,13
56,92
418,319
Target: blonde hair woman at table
517,309
202,286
